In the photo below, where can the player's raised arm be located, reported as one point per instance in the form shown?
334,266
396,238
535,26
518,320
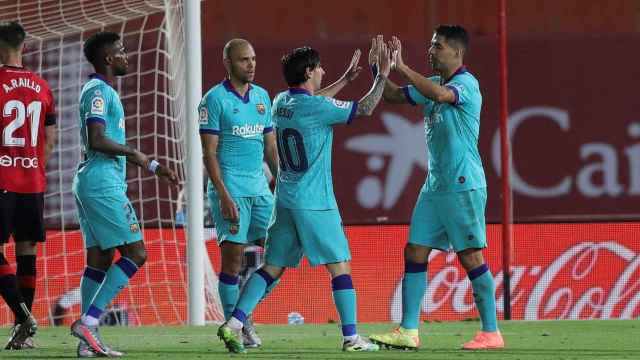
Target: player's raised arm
352,72
367,104
392,92
426,87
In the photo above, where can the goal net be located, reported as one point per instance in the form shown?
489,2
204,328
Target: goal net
153,96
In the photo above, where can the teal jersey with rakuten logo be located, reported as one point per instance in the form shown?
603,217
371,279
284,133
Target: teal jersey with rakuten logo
99,172
305,136
452,131
240,123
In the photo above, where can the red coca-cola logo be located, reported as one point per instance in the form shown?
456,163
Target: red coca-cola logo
588,280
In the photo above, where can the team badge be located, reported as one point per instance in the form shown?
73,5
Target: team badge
261,109
204,115
134,228
97,106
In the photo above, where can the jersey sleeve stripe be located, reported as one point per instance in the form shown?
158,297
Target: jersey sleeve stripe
455,92
209,131
352,114
267,130
98,120
405,90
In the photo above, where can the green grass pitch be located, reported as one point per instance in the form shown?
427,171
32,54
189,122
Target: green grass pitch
580,340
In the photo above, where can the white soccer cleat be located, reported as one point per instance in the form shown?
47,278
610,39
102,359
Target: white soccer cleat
359,344
84,351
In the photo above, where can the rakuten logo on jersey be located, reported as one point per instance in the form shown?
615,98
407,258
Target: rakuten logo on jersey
23,162
247,130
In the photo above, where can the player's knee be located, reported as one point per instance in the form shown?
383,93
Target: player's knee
26,248
470,258
274,271
416,253
231,266
139,257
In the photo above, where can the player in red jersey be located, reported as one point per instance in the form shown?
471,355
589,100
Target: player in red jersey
27,137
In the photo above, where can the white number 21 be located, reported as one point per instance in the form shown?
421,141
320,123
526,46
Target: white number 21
32,111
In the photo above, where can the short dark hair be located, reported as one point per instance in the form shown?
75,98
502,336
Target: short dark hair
94,46
455,33
296,63
12,34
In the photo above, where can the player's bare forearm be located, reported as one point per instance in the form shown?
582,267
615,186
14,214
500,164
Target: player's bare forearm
425,86
368,103
100,143
393,93
271,153
333,89
349,75
213,168
50,132
211,163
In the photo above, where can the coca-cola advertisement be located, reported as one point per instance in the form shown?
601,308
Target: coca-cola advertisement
559,271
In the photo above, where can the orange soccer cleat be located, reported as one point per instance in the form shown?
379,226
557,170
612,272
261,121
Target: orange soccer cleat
485,340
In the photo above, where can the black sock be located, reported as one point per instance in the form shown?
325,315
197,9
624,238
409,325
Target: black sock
9,290
27,278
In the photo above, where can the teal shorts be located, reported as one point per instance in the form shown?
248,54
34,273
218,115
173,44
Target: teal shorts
317,234
255,213
107,221
450,220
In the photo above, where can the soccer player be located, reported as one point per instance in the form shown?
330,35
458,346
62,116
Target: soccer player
237,134
28,136
306,218
449,212
107,218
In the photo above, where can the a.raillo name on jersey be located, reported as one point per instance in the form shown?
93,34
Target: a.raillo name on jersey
21,82
247,130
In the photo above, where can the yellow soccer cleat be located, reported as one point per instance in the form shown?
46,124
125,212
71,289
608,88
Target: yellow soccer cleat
232,339
399,338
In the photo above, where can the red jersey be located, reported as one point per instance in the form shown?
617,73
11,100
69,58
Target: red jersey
26,106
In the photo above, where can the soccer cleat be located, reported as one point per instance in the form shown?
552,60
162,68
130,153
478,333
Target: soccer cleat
90,335
232,339
250,338
399,338
84,351
485,340
28,343
359,344
20,333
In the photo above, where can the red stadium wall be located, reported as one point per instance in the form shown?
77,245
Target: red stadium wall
560,271
575,147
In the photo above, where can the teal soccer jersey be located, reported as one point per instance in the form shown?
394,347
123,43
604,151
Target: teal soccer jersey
107,218
240,122
99,172
305,136
452,132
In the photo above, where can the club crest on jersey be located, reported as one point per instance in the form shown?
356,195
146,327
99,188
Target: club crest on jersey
261,109
134,228
97,106
204,115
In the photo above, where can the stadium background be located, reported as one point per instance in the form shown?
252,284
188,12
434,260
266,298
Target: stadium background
575,149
